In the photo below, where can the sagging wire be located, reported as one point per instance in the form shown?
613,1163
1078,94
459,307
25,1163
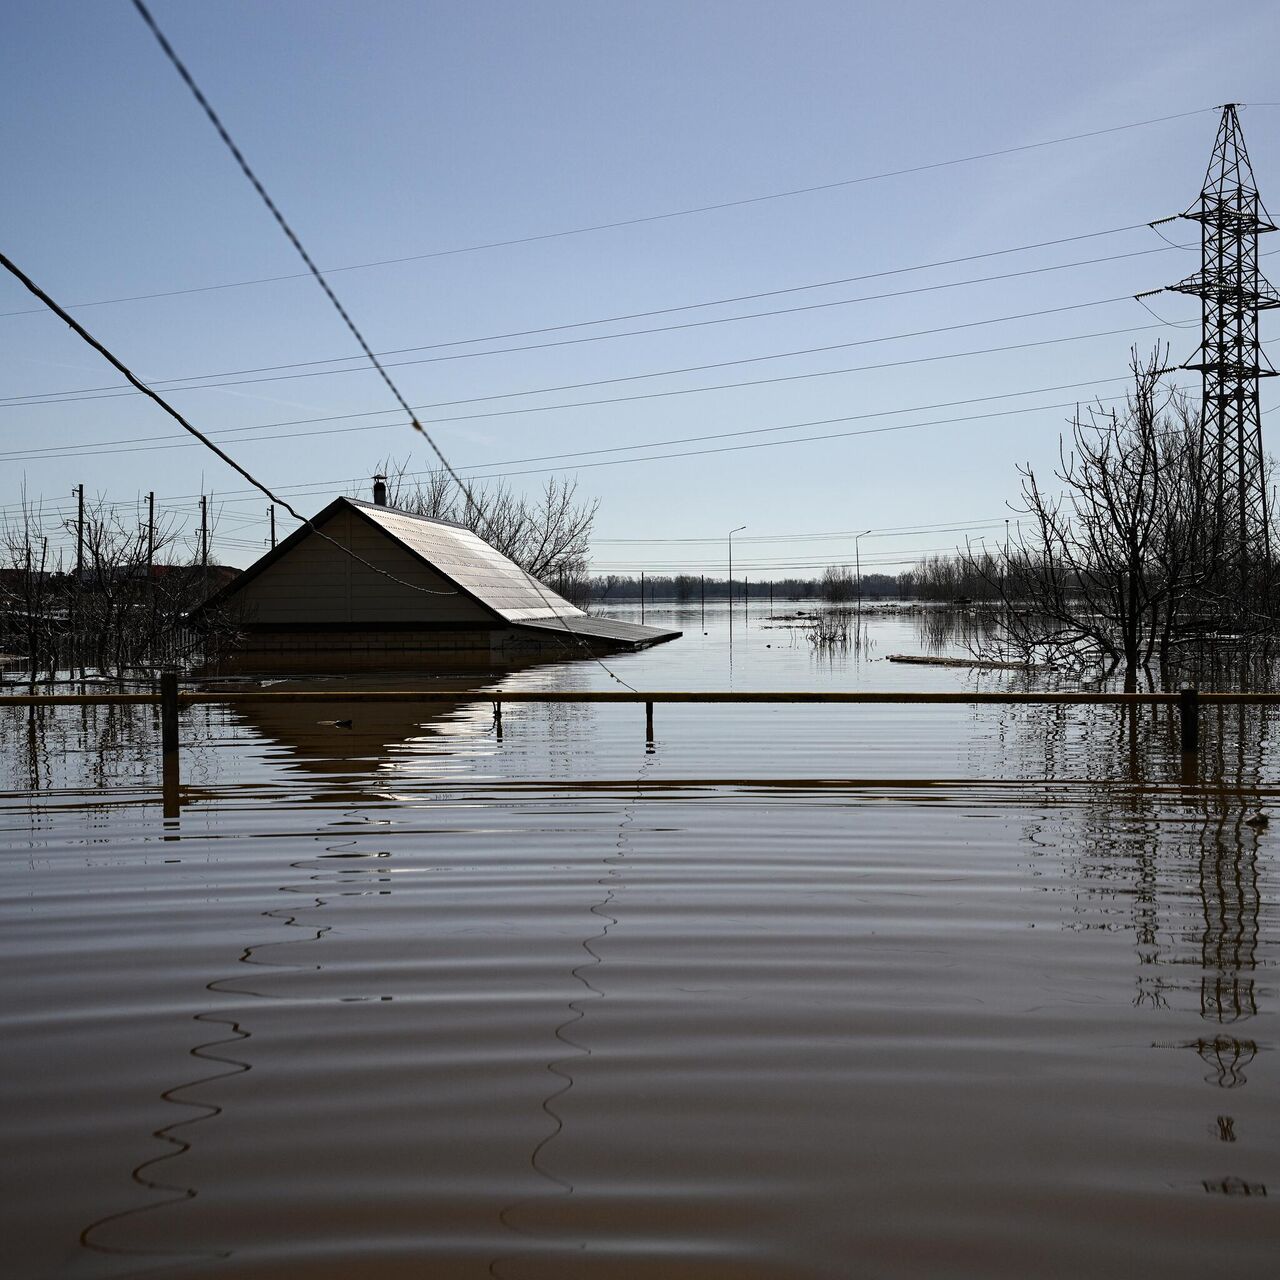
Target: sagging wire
216,121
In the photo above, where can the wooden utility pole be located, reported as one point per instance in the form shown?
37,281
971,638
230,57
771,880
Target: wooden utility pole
77,614
204,531
79,532
271,511
151,535
641,595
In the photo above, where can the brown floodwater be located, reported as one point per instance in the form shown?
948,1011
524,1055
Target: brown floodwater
790,992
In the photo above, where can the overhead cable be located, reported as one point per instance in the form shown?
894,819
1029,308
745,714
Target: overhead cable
214,119
116,363
28,402
198,381
621,222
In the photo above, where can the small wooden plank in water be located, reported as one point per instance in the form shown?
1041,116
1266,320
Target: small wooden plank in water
924,661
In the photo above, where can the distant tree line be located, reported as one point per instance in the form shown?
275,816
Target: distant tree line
837,585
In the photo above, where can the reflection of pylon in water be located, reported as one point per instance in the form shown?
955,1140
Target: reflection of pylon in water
1230,904
1232,291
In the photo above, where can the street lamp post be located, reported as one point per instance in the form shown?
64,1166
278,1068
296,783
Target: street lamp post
739,529
857,559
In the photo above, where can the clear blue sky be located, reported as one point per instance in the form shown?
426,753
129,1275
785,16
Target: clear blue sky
388,130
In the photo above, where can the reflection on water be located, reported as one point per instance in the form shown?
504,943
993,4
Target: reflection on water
1191,862
783,993
177,1135
587,974
947,631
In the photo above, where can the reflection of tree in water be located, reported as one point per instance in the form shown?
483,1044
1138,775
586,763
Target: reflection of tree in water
942,630
99,753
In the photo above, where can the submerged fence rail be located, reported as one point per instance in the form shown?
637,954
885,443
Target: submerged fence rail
169,698
906,697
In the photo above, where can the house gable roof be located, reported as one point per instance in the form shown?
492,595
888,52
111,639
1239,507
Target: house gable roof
473,567
476,569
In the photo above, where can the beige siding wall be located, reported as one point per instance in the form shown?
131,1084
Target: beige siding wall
316,583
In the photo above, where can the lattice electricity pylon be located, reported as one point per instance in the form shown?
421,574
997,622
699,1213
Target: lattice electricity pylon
1232,291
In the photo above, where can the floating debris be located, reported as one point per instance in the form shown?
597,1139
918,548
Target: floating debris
980,663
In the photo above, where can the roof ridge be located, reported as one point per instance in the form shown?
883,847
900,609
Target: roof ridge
412,515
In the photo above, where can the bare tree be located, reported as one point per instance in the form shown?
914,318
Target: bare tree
548,536
837,584
30,594
126,609
1105,572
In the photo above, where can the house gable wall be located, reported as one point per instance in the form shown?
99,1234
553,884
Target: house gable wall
316,583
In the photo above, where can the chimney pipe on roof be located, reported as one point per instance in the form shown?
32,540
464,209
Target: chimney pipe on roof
379,490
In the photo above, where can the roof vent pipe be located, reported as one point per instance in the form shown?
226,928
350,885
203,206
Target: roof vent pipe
379,490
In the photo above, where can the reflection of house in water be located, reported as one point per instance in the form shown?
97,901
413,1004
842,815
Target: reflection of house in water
346,740
386,590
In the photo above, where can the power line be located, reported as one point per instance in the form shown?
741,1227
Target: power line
885,532
24,402
327,486
78,450
321,485
616,224
173,384
180,67
35,290
773,444
917,556
653,395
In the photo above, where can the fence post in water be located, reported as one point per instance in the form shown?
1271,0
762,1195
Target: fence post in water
497,718
648,722
169,740
1189,719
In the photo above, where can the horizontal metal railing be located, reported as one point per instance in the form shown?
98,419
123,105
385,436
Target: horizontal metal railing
844,697
1187,703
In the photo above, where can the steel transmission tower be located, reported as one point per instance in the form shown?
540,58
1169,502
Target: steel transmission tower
1232,292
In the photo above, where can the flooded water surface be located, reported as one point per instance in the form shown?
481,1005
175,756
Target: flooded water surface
788,992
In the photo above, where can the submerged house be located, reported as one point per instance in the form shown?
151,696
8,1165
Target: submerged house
384,589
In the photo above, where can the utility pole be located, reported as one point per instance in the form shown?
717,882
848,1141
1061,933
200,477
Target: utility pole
151,535
1232,291
271,511
79,491
641,595
204,532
